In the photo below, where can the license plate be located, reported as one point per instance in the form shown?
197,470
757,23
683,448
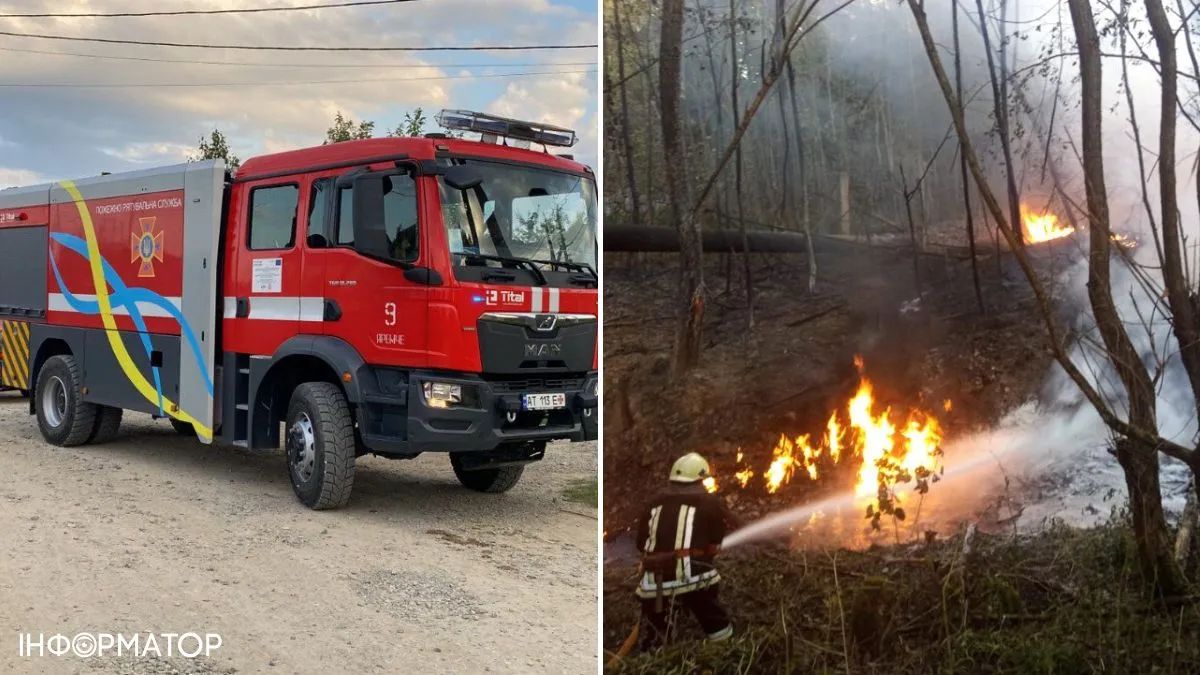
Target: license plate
543,401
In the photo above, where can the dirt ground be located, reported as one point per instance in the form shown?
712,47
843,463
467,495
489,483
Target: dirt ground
154,532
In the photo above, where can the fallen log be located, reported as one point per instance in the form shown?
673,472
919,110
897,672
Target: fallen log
654,239
627,238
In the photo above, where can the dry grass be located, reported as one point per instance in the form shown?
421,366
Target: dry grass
1064,601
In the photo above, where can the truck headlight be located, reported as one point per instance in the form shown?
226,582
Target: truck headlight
592,386
442,394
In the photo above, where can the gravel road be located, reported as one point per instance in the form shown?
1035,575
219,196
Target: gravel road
155,532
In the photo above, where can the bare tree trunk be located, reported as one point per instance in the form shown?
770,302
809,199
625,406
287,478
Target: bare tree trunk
1136,451
625,121
962,160
1187,529
1139,460
786,191
1183,311
912,232
1137,133
689,330
1000,100
733,93
794,36
1191,50
800,173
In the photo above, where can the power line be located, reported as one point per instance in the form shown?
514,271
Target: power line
299,65
252,10
139,85
191,45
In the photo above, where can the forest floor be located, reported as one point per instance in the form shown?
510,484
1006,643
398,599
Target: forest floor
1059,600
797,364
1062,601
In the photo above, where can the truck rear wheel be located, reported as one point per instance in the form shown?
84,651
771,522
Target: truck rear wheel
63,417
487,480
108,423
320,445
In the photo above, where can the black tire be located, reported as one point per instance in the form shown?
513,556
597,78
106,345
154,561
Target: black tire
492,481
182,428
108,423
320,453
75,418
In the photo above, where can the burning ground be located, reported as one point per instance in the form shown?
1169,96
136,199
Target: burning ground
785,412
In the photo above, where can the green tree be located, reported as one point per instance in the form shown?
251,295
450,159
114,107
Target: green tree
345,129
216,147
412,125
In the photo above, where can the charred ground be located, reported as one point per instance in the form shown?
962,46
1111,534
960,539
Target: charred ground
787,374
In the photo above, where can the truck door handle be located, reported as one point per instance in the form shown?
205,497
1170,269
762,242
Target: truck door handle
333,311
243,308
499,276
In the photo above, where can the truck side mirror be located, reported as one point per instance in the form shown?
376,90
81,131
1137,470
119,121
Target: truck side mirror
370,233
462,177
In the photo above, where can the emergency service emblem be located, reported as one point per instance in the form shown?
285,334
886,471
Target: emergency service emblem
147,246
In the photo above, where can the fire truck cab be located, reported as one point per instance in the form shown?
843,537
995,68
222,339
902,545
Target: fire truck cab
391,296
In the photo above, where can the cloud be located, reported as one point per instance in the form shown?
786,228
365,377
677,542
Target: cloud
18,177
284,100
562,100
151,153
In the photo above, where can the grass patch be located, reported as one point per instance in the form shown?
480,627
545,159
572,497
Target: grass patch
583,491
1063,601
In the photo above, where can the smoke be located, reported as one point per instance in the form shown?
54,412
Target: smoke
1049,458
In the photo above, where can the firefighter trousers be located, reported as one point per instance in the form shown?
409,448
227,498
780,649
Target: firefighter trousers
659,623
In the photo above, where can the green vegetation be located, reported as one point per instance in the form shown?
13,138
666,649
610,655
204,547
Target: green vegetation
1064,601
216,147
583,491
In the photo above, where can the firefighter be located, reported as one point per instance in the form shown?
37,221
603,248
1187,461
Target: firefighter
679,534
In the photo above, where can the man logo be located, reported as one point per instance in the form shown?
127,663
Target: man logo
147,246
544,323
541,350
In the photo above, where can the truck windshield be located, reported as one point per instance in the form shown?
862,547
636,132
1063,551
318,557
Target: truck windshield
535,216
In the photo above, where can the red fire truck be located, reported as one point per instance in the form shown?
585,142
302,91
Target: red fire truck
391,296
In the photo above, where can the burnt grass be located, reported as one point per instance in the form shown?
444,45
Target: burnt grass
1062,601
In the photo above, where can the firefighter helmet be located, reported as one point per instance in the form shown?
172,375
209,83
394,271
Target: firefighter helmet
690,468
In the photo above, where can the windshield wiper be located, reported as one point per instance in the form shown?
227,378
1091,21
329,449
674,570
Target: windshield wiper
527,264
582,267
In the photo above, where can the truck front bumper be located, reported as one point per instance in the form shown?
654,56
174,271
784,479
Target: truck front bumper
395,419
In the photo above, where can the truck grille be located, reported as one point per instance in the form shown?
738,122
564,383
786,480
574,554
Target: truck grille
537,384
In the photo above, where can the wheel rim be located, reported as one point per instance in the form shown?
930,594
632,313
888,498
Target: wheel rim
302,447
54,401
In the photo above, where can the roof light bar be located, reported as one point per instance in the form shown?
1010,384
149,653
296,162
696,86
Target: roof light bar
466,120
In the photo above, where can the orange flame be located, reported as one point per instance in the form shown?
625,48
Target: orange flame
710,484
886,454
1042,227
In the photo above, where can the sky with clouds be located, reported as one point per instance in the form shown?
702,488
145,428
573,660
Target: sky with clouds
53,132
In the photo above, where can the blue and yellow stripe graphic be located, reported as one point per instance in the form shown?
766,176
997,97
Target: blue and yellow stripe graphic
103,275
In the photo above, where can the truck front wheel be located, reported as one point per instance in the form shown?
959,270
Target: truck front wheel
320,445
497,480
63,417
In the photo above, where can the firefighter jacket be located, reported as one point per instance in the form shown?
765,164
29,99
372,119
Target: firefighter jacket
679,534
